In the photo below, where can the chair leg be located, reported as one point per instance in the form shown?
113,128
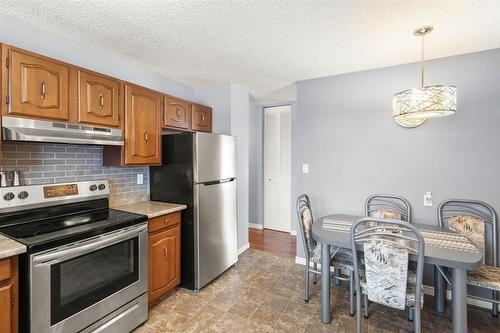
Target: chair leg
366,312
494,306
306,282
315,276
417,324
351,294
411,313
338,272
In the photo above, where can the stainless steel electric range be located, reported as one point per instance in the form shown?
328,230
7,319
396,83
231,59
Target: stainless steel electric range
86,265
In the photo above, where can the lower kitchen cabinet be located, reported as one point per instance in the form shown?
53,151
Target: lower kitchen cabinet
8,295
164,255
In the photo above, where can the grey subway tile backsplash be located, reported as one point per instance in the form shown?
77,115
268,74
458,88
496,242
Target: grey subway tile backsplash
43,163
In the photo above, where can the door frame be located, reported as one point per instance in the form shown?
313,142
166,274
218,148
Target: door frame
264,205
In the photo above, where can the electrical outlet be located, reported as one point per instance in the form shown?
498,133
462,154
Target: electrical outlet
140,179
428,199
305,168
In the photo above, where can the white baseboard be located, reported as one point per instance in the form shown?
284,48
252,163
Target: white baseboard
255,226
243,248
428,290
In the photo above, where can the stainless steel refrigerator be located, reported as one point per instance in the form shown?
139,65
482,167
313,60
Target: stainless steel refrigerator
199,170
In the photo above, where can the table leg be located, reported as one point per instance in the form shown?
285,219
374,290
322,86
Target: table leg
439,291
459,300
325,283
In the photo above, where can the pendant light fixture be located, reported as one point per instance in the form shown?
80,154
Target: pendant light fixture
412,107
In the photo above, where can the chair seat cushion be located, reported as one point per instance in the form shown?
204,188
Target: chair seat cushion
343,256
487,277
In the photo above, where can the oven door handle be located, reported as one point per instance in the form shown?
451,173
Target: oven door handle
82,248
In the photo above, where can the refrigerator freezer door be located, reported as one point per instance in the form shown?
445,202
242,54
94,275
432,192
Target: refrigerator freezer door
214,157
216,223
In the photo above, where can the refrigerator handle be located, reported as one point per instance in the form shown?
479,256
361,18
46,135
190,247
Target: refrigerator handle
227,180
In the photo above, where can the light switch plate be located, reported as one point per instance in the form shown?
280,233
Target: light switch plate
140,179
305,168
428,199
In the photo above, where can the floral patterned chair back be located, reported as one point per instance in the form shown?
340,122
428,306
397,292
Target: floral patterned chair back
388,206
474,219
387,244
306,221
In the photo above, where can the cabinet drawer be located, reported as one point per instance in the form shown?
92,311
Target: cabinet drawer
160,222
5,271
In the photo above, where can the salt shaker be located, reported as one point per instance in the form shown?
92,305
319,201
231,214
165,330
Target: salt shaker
16,182
3,179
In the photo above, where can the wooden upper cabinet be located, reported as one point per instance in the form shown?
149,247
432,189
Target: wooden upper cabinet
176,113
201,118
98,99
142,126
38,86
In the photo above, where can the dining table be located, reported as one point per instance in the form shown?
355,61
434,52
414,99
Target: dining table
443,247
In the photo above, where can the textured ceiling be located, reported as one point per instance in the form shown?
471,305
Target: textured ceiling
265,46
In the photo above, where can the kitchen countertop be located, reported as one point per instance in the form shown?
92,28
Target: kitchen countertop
9,247
151,208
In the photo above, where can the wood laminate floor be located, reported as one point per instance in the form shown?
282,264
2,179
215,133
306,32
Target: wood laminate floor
276,242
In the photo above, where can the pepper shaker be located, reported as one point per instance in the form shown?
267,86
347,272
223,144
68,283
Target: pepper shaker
16,182
3,179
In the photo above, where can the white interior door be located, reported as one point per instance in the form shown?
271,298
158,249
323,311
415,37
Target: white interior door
277,168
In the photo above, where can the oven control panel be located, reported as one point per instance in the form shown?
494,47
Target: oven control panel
60,190
22,197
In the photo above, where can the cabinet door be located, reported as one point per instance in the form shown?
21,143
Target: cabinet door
177,113
164,262
6,308
142,126
38,87
98,100
202,118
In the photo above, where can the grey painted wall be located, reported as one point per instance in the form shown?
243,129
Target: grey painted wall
23,35
256,165
219,98
344,129
240,114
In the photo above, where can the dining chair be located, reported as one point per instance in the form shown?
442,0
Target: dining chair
390,207
387,245
312,249
477,221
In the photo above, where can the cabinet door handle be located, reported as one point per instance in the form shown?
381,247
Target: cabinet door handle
145,136
178,112
101,102
165,221
43,89
203,119
165,252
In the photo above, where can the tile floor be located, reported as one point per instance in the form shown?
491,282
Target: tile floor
264,293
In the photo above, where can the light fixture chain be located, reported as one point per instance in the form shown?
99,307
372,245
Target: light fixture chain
422,63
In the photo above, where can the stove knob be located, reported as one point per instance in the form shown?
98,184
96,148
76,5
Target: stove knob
23,195
102,186
93,187
9,196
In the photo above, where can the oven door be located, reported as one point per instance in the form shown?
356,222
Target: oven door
74,286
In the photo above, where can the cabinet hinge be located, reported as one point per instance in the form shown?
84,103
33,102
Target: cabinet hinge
13,298
7,99
7,62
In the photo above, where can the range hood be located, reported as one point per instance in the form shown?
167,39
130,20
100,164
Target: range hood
23,129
